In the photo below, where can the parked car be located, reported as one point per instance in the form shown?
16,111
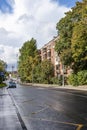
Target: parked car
12,84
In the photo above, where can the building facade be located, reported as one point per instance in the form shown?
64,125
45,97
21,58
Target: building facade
48,52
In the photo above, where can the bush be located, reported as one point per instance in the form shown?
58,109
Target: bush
78,79
82,77
2,85
56,80
73,80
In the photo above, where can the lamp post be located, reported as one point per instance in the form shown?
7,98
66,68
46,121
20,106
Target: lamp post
63,75
32,75
33,67
17,57
12,70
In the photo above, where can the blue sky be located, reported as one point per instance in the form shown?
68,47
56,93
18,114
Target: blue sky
5,6
68,3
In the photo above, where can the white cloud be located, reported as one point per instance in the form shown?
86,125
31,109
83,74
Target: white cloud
30,18
8,53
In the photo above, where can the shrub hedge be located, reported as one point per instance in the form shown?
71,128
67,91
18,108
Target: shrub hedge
78,79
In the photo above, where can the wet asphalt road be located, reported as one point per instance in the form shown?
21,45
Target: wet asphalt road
51,109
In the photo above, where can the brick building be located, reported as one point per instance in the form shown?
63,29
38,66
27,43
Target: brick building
48,52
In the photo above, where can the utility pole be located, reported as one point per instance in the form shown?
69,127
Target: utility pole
32,74
63,75
17,56
12,70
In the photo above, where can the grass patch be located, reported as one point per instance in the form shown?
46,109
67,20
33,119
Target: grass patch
3,85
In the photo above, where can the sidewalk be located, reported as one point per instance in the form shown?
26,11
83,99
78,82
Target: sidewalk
83,88
8,116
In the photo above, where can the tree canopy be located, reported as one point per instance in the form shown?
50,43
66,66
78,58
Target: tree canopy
72,43
2,66
30,66
27,60
43,72
2,70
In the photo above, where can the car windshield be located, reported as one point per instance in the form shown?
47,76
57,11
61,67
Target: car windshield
11,82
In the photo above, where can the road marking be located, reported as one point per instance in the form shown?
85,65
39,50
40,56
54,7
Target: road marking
27,101
40,110
79,127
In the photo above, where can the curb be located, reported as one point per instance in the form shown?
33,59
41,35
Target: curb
82,88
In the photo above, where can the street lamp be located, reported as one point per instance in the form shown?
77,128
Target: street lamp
32,75
12,69
63,75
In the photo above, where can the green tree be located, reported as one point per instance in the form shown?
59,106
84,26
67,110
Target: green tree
43,72
2,66
36,74
2,70
27,60
70,38
47,71
79,46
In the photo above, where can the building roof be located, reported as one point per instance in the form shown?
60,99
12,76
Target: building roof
53,40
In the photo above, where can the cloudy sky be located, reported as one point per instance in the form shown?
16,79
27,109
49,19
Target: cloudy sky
20,20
